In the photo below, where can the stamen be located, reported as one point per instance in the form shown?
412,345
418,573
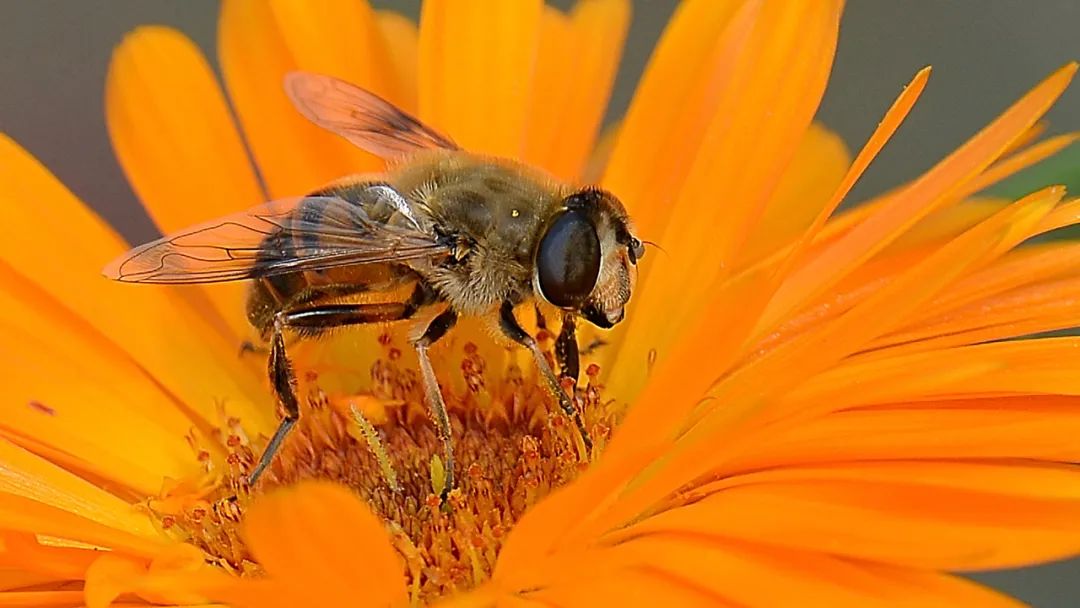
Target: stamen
513,445
372,437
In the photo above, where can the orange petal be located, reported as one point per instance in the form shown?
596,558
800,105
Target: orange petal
168,580
478,96
22,552
592,43
1035,366
259,42
886,512
1028,265
892,120
700,570
750,390
176,140
324,537
19,514
1019,161
172,131
1030,310
813,175
199,367
915,201
29,476
402,40
889,306
549,95
1031,427
746,158
26,599
676,99
145,438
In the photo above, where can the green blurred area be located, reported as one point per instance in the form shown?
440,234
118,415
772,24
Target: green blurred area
1062,169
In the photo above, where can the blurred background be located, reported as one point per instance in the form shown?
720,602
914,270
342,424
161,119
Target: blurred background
985,53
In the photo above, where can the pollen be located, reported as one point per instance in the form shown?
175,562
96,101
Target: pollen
512,446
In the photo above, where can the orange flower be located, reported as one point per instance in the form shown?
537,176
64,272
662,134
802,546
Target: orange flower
813,408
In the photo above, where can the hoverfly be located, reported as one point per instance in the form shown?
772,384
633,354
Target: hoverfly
473,234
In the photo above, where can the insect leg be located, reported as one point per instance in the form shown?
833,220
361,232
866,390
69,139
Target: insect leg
310,321
512,329
283,382
566,349
435,330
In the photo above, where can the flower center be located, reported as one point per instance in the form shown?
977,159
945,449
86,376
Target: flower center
512,446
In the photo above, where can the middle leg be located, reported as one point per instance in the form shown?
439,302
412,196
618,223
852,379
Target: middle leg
513,330
310,321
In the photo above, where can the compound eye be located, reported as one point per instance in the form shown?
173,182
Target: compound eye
568,260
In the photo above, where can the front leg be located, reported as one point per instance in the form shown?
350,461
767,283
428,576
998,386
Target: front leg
566,349
512,329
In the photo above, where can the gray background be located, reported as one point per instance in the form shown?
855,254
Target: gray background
54,53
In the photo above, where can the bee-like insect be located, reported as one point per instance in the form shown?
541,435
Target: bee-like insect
473,234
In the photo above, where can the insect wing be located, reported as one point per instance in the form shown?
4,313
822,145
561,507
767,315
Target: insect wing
367,120
304,233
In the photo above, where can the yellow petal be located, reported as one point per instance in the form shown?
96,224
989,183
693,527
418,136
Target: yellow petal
476,94
259,42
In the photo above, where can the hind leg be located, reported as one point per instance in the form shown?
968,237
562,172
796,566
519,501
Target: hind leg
310,321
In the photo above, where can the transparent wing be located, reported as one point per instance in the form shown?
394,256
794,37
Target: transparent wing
368,121
308,233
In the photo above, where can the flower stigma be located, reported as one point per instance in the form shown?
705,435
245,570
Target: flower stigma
512,446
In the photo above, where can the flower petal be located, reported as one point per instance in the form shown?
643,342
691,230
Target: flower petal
709,571
914,202
675,101
980,515
805,187
576,67
777,77
176,140
19,514
173,133
1036,366
402,39
324,537
146,437
476,96
29,476
259,42
1029,427
62,245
